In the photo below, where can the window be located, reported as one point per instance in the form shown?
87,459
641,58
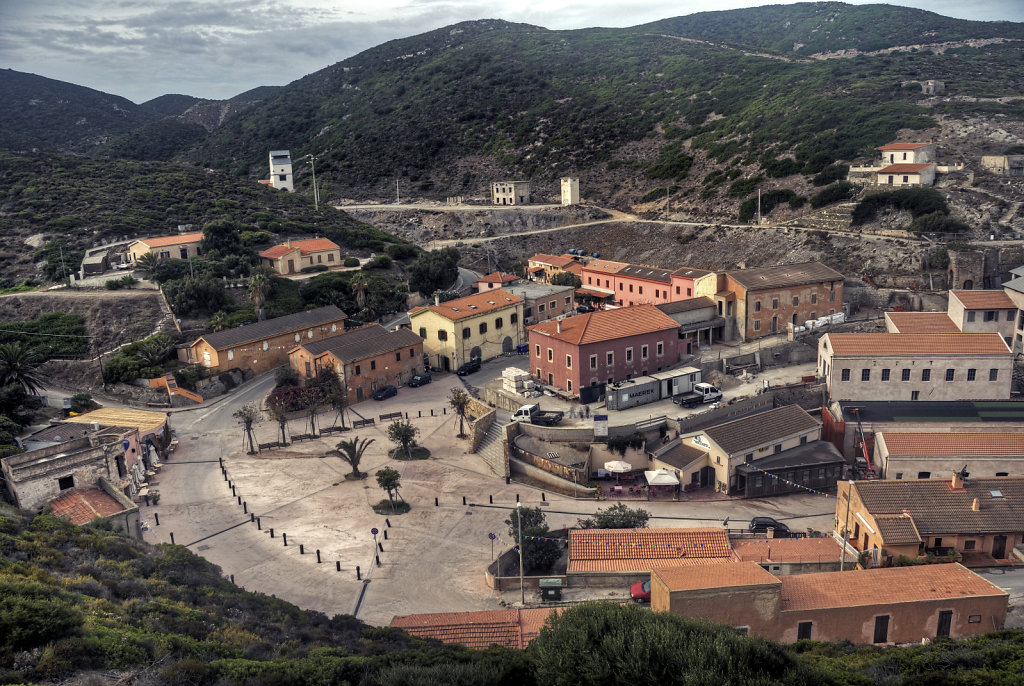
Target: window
906,179
748,458
319,258
803,630
742,630
568,301
660,349
814,315
803,440
924,475
412,353
66,482
775,303
297,338
796,300
528,312
622,286
568,385
974,619
757,306
688,292
630,288
373,365
610,359
993,374
231,354
991,316
950,373
677,290
970,316
483,327
757,325
442,335
358,370
778,447
590,281
926,375
498,323
832,294
568,361
466,332
846,375
905,375
330,257
551,355
865,375
885,375
657,293
969,545
629,354
593,361
398,357
513,318
914,395
899,475
538,351
643,352
423,332
814,298
540,308
881,629
1009,315
971,374
639,289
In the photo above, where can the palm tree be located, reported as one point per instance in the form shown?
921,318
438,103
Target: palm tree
359,283
352,452
147,262
219,321
19,366
259,288
155,350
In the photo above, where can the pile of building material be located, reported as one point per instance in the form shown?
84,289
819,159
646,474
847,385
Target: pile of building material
517,381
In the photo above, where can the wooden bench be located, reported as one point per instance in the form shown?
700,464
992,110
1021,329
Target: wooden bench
302,437
331,429
268,446
363,422
391,415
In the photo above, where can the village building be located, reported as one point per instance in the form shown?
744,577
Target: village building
292,256
570,191
543,301
907,175
150,442
477,327
603,347
768,299
364,359
180,247
907,153
103,503
264,345
921,455
775,452
479,630
281,176
1004,165
982,312
599,276
543,267
875,606
620,557
910,366
783,556
688,282
698,320
494,280
919,322
979,519
510,193
1014,289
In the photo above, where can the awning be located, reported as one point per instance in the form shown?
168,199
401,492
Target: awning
534,270
590,293
661,477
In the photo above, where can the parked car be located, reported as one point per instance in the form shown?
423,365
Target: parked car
584,309
762,524
468,367
385,392
640,592
418,380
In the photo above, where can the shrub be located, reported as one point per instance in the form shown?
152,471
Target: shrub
831,173
113,284
837,192
402,251
918,201
351,262
188,376
314,268
937,222
378,262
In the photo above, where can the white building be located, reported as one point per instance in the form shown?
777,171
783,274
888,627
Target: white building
281,176
907,153
922,174
570,191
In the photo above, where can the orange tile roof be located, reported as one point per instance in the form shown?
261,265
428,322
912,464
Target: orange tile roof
902,146
788,550
881,344
574,268
163,241
605,266
643,565
278,251
985,300
82,505
471,305
884,585
606,325
631,549
552,260
897,529
315,245
905,168
714,576
480,630
943,443
503,277
922,322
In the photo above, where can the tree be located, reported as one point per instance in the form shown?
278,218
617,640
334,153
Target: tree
259,289
458,400
219,320
83,402
19,365
359,283
248,414
539,552
352,452
434,271
404,434
390,480
618,517
155,350
338,398
277,406
147,262
222,237
566,279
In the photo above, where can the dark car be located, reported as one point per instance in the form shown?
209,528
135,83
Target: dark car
468,367
640,592
584,309
418,380
762,524
385,392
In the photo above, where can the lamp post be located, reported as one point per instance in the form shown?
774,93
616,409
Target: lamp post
846,526
519,524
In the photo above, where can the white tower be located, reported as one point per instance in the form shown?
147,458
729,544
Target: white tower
570,191
281,170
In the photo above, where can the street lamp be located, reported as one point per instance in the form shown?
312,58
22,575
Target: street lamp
846,527
519,523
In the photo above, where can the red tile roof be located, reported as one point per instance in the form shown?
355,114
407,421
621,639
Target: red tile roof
985,300
880,344
788,550
944,443
315,245
606,325
82,505
605,266
897,529
714,576
163,241
884,585
494,277
552,260
905,168
922,322
902,146
480,630
643,565
471,305
635,549
574,268
278,251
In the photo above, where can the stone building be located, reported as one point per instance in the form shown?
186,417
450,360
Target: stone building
764,300
543,301
293,256
922,455
180,247
510,193
570,191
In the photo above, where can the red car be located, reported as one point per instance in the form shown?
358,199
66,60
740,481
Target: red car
640,592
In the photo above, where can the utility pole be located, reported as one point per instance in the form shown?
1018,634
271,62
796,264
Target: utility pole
63,268
846,526
316,193
759,207
519,522
398,198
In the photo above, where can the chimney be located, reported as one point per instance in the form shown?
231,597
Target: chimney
288,242
976,506
558,326
958,482
437,299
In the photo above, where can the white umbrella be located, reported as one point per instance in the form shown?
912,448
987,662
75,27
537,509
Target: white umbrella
618,467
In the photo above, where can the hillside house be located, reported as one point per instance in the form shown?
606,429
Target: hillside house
264,345
477,327
180,247
922,174
1014,289
982,312
907,153
494,280
570,191
542,267
510,193
281,176
293,256
1004,165
762,301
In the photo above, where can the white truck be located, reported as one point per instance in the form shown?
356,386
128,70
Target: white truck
701,393
532,414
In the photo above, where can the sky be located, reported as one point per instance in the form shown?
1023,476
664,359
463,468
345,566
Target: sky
216,49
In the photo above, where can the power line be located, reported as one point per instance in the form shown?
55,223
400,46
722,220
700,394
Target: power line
37,333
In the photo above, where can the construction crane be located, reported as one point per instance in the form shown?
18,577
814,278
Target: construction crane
869,470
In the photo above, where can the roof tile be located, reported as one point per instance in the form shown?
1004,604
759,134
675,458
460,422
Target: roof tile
756,430
606,325
714,576
922,322
878,344
82,505
785,275
359,344
788,550
953,443
269,328
471,305
985,300
163,241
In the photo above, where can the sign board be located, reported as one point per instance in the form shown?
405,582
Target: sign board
600,426
701,441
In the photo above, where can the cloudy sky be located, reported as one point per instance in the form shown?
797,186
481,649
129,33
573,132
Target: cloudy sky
219,48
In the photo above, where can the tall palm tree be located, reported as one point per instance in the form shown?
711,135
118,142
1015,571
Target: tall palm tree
352,452
259,288
359,283
19,365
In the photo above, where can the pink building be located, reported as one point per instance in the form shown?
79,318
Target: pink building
603,347
494,280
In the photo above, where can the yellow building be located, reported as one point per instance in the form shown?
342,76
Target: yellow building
477,327
291,256
180,247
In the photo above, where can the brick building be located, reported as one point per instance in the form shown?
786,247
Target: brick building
767,299
603,347
264,345
364,359
910,366
880,606
543,301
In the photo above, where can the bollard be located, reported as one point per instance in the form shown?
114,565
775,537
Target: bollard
232,578
445,410
172,538
359,577
406,415
435,502
157,518
221,460
380,546
542,498
463,500
252,516
318,556
233,490
259,524
508,480
385,534
302,550
284,537
245,507
431,412
388,522
517,497
419,413
490,498
226,476
271,532
337,565
377,558
239,500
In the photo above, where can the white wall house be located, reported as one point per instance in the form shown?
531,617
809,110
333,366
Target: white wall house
921,174
281,176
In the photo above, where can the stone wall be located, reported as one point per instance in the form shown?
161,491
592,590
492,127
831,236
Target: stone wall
482,418
32,477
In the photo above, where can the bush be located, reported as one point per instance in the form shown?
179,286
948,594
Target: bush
314,268
188,376
351,262
769,201
378,262
937,222
402,251
113,284
831,173
837,192
918,201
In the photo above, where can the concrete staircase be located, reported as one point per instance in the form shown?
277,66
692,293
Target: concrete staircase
832,218
491,449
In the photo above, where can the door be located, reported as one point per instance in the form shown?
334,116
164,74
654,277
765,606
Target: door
291,266
359,394
881,629
945,620
999,547
775,324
